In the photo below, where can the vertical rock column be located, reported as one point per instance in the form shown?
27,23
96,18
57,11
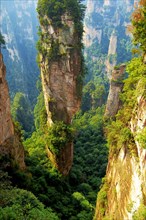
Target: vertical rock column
9,142
116,86
6,125
60,60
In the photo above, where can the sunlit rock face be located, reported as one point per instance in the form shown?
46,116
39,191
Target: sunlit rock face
9,142
125,184
6,128
116,86
61,81
126,174
60,77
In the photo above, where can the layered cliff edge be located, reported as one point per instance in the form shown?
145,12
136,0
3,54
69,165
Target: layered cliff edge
123,194
11,148
61,67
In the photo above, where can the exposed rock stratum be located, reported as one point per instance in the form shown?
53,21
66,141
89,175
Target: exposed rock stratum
10,145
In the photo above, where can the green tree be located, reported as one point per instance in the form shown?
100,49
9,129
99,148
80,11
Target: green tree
139,25
21,112
20,204
140,214
40,115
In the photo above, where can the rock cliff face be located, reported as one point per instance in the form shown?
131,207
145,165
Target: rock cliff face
60,77
126,176
61,72
123,195
116,86
9,142
7,129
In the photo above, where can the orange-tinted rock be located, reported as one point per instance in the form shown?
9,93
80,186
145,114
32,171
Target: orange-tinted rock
10,144
124,191
61,81
126,174
63,161
6,125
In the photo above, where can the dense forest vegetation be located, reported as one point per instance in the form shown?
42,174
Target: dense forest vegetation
71,197
41,192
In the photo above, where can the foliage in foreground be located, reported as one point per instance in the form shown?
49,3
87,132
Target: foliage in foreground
140,214
19,204
71,197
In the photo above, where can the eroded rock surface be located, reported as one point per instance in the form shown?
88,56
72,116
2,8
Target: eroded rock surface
10,144
61,80
116,86
6,125
126,174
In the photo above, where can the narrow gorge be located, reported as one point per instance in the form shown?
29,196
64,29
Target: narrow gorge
73,140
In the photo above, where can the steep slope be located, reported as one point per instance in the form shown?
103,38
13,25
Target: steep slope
123,194
61,65
19,28
10,145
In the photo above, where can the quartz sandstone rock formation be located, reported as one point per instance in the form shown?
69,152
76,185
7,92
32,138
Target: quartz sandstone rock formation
126,174
9,141
61,81
60,77
125,184
116,86
6,128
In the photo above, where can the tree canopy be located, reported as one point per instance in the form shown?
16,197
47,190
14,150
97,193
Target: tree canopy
139,25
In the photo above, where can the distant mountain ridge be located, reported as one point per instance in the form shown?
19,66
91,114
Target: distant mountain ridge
19,28
106,32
